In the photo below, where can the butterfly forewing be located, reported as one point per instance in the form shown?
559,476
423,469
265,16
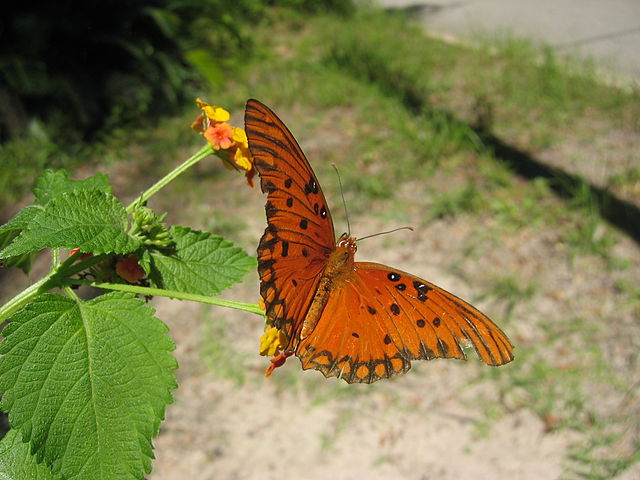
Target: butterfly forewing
434,313
299,235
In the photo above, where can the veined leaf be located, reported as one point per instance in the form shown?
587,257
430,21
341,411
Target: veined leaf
87,383
21,219
10,230
17,463
53,183
203,263
91,220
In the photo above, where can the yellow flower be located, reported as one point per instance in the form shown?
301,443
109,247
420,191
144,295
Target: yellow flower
213,113
242,158
271,342
240,137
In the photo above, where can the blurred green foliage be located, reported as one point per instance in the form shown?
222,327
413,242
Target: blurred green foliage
82,67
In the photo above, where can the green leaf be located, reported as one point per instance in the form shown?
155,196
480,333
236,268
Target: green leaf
16,463
87,383
92,220
21,220
202,263
53,183
10,230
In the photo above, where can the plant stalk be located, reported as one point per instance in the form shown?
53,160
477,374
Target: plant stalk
220,302
202,153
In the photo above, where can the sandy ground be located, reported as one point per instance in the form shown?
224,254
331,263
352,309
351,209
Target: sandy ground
421,426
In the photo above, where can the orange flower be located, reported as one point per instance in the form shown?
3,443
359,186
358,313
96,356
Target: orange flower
199,124
276,362
220,135
129,269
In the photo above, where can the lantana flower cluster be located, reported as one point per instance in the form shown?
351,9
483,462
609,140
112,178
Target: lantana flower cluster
230,143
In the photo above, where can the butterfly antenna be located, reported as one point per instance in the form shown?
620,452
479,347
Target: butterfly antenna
384,233
344,203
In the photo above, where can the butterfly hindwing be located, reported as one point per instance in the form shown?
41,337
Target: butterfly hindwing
350,342
383,318
299,235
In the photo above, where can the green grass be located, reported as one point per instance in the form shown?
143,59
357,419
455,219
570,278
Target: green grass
222,359
510,291
467,199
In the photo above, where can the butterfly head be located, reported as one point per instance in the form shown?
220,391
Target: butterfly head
348,243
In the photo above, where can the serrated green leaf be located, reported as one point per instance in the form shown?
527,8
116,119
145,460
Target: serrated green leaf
10,230
87,383
21,219
202,264
53,183
91,220
17,463
144,260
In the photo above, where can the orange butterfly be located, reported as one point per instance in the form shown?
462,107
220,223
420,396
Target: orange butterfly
359,321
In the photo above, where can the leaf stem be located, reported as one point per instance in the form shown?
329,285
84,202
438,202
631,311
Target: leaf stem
220,302
55,258
202,153
70,293
24,297
54,278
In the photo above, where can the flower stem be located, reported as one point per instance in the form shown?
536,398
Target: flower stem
220,302
204,152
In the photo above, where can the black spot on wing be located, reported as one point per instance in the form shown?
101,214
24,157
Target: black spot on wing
393,276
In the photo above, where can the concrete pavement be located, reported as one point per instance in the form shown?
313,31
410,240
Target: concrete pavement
606,30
